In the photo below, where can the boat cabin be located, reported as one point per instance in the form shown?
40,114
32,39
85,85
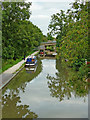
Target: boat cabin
31,61
41,52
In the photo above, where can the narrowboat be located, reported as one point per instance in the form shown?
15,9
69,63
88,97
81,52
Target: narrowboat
31,61
41,52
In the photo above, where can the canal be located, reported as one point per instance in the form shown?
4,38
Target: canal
45,93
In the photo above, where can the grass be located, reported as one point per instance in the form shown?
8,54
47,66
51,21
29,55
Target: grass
0,70
20,68
10,62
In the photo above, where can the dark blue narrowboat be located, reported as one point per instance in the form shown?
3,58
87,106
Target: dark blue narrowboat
31,61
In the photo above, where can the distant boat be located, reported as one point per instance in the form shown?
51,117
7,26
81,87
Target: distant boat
54,53
31,61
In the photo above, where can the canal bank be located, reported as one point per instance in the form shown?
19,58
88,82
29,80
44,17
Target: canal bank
47,93
6,76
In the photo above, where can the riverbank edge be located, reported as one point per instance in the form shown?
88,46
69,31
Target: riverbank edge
17,71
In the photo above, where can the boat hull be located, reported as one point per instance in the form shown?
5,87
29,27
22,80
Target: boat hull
32,64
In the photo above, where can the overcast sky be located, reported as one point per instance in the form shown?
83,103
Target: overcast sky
43,9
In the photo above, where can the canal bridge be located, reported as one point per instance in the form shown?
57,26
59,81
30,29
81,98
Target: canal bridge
48,48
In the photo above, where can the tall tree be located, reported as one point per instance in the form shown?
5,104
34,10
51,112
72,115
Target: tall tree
73,43
19,36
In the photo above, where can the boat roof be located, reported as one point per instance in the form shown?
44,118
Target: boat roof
31,56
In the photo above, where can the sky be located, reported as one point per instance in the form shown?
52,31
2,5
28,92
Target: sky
41,11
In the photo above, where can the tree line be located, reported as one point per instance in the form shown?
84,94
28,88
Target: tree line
71,29
19,35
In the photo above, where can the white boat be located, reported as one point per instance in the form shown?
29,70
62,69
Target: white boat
31,61
54,53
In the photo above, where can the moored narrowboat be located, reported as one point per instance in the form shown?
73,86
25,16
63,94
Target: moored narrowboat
31,61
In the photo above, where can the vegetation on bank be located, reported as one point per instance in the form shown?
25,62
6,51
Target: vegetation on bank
19,35
71,29
10,62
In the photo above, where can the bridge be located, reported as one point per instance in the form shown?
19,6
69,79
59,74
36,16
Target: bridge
48,48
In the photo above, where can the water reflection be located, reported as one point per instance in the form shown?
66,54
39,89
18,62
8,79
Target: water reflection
31,69
22,96
11,107
62,86
20,81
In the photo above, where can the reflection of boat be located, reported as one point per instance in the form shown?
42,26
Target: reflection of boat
41,53
31,69
31,61
54,53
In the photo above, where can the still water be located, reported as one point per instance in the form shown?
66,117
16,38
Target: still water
44,93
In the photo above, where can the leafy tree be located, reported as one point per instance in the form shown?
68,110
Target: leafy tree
72,37
75,44
19,35
58,25
49,36
72,33
12,14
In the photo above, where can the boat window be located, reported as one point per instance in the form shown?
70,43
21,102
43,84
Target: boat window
41,50
32,60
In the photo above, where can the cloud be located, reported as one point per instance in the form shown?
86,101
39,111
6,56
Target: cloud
43,10
49,0
53,10
36,7
40,16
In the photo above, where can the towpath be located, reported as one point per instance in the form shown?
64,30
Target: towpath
6,76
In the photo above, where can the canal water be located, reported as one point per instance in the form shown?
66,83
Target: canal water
45,93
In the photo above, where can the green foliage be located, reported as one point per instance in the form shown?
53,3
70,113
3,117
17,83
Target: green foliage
10,62
50,48
49,36
72,34
71,29
19,35
75,44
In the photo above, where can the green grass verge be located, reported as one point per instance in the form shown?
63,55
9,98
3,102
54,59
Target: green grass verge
10,62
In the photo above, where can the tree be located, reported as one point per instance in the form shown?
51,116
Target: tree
73,45
49,36
58,25
12,14
19,36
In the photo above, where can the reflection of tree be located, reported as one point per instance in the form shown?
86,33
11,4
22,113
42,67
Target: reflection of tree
11,109
65,83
